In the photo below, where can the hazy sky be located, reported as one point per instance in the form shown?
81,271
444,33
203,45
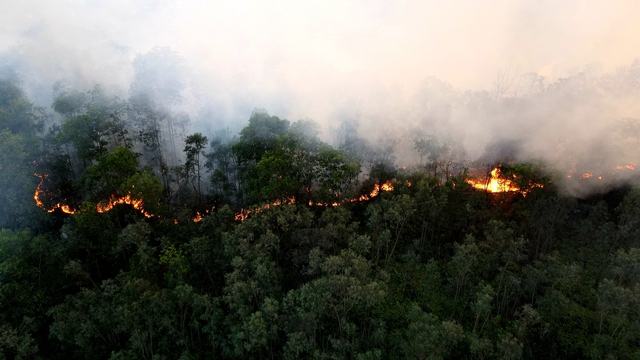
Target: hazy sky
308,44
374,61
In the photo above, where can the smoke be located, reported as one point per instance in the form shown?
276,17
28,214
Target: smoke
542,80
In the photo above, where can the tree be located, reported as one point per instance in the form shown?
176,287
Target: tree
441,158
260,136
223,165
17,113
335,173
156,86
194,146
428,338
110,173
88,136
94,122
329,316
17,181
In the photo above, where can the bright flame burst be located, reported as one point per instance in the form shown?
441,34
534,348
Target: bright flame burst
495,184
387,186
127,199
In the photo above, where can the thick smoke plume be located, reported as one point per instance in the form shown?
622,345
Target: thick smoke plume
490,81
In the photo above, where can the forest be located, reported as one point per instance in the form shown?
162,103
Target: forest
125,235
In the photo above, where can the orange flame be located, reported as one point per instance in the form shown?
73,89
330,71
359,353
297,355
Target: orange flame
100,207
137,204
243,214
196,219
495,184
628,167
36,196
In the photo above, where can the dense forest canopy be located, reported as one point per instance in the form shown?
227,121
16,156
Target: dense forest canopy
125,234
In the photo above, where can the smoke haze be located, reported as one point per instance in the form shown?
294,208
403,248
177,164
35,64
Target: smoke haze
556,80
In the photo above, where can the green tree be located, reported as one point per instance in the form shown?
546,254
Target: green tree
260,136
223,165
17,113
110,173
428,338
329,316
17,181
194,149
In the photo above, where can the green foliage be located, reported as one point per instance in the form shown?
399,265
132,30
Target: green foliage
17,114
426,337
87,134
335,173
111,172
433,269
17,181
194,146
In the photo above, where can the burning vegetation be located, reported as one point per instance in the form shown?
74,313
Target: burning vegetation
243,214
39,192
613,172
137,204
502,183
101,207
494,184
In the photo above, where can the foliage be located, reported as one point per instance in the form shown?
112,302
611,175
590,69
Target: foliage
323,266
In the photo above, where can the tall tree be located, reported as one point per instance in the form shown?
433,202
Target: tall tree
194,149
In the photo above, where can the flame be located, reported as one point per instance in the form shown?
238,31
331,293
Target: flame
137,204
243,214
495,184
36,196
589,175
100,207
628,167
387,186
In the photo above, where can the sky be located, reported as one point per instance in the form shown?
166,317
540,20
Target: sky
310,45
324,60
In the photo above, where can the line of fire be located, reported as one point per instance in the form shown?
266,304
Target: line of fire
496,182
138,204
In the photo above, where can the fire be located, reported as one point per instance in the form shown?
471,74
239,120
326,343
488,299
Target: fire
628,167
599,175
100,207
495,184
127,199
137,204
36,196
243,214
